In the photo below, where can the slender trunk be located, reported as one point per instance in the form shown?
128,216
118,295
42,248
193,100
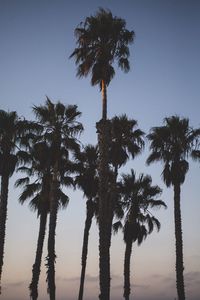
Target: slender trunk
104,100
51,239
3,217
37,264
88,222
127,260
179,244
103,128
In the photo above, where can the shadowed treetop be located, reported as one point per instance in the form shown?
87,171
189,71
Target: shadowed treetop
102,39
172,144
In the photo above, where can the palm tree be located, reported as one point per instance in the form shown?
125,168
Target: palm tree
102,39
138,195
60,131
172,144
126,141
38,164
87,181
12,129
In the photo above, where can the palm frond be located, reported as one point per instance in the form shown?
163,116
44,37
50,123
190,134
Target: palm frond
22,181
63,199
29,191
116,226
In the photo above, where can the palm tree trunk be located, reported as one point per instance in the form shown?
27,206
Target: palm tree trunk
103,128
127,260
179,244
3,217
104,251
104,100
37,264
51,239
88,222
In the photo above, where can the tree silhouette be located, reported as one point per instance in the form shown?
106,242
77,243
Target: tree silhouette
60,132
87,181
102,39
12,130
172,144
37,165
138,196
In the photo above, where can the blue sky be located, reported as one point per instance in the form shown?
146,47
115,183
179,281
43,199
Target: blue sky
37,38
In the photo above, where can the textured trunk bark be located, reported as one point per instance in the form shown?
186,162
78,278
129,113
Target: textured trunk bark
88,222
127,260
51,238
37,264
103,168
3,217
179,244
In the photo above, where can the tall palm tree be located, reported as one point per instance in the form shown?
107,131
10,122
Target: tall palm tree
102,39
12,129
38,165
138,195
172,144
61,129
87,181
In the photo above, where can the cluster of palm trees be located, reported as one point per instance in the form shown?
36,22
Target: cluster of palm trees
51,157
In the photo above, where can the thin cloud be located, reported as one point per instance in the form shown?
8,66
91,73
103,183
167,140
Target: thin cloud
88,278
133,286
168,278
15,284
192,277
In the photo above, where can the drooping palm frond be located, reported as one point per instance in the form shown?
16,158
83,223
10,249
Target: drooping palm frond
29,191
22,181
116,226
156,203
195,154
26,170
63,199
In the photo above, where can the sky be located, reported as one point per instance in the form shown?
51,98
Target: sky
36,40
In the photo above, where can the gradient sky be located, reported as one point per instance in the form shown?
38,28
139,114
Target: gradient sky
36,39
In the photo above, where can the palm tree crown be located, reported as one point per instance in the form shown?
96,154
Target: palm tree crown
138,195
11,128
87,178
172,144
101,40
126,140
